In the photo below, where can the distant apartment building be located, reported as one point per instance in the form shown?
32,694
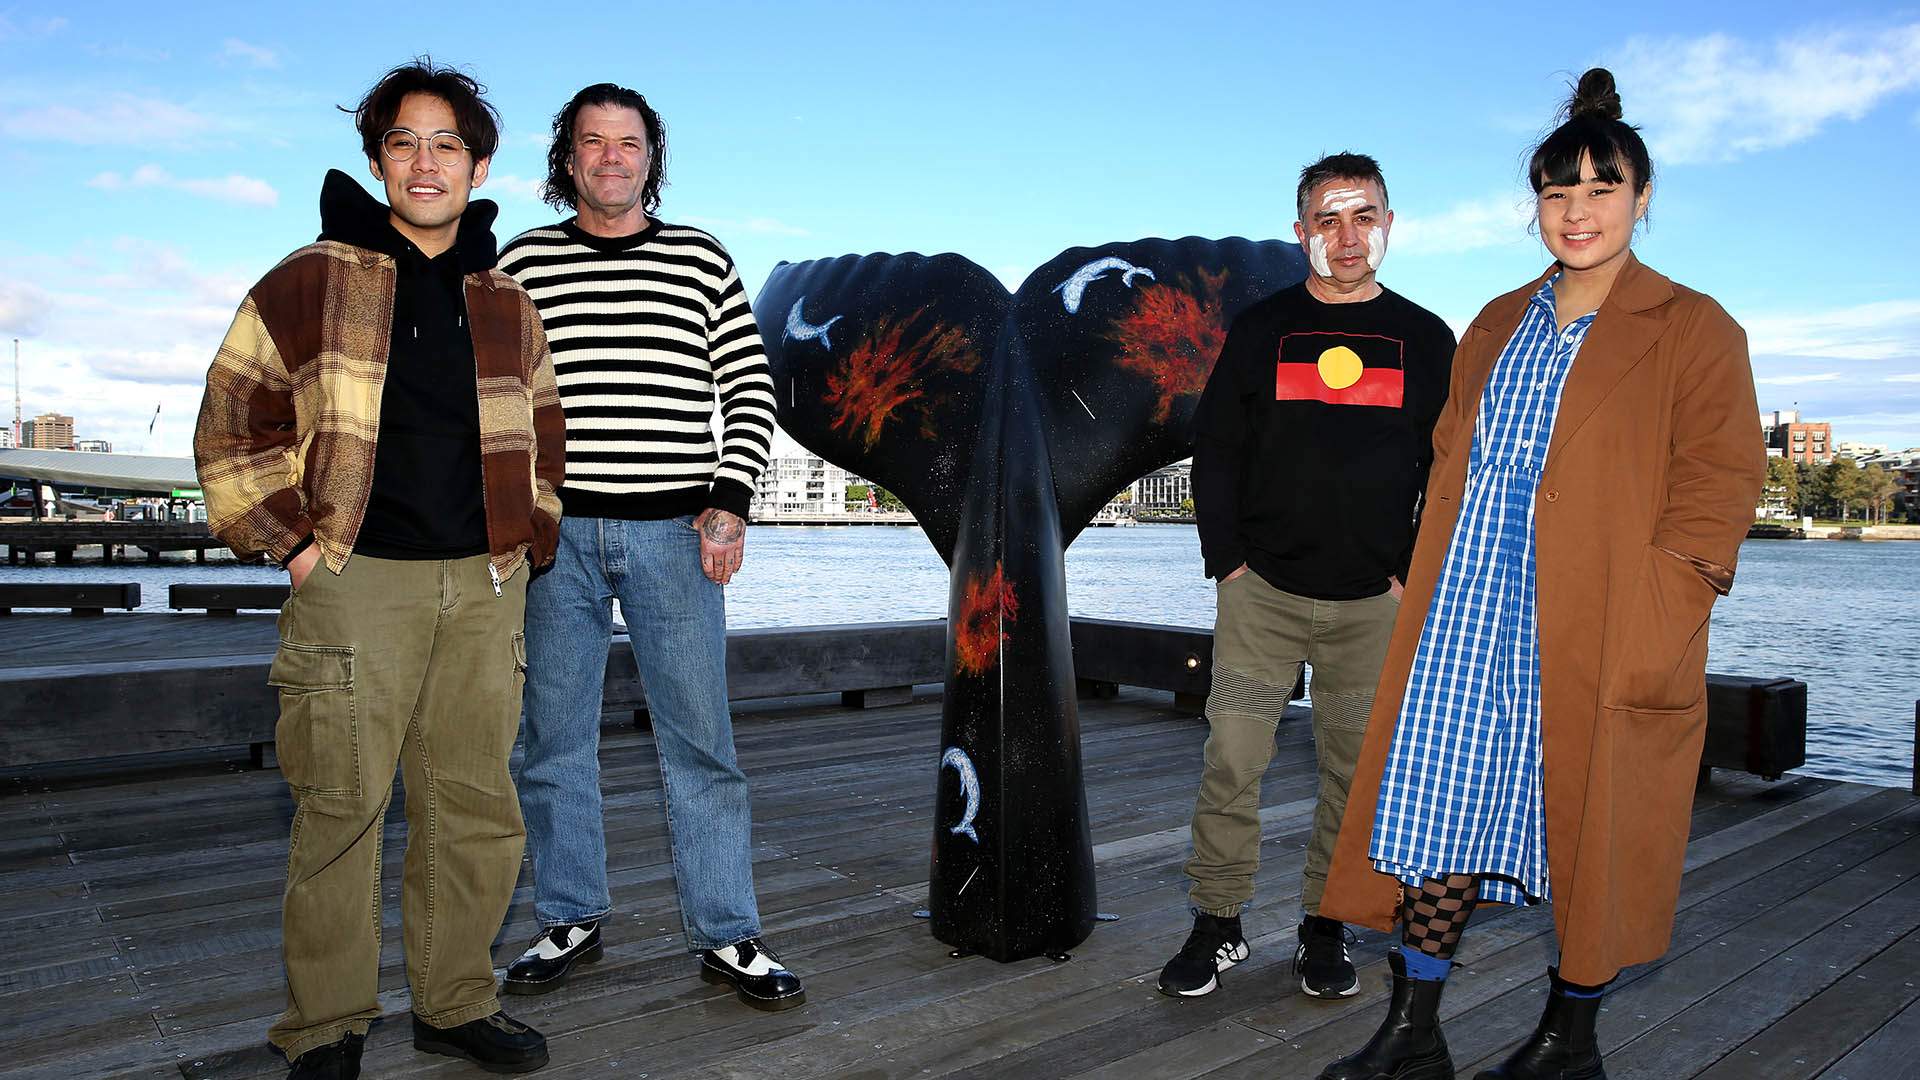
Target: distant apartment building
6,437
48,431
800,484
1789,437
1904,467
1164,489
93,446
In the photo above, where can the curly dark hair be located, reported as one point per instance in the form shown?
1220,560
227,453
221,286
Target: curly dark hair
479,121
559,190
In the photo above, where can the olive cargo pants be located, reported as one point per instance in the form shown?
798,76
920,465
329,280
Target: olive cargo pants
420,664
1261,636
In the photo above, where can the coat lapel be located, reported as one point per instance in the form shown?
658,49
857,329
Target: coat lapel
1623,333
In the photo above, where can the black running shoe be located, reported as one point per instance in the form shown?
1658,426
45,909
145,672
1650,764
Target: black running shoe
1214,946
1321,961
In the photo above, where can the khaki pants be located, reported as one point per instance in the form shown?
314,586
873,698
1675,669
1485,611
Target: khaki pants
417,663
1261,636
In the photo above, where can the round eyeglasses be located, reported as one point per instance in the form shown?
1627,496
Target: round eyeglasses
403,145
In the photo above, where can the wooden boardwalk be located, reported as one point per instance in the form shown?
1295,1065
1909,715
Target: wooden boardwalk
141,912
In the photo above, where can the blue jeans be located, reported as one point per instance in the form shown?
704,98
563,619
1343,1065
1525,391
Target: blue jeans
676,618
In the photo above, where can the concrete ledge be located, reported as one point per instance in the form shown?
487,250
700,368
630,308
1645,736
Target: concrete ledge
97,710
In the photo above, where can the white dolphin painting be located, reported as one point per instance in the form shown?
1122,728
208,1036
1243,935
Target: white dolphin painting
970,785
799,329
1072,289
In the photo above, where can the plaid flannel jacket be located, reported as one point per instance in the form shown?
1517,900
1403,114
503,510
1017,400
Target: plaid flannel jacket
285,441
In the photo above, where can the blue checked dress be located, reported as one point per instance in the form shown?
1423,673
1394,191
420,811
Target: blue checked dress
1461,790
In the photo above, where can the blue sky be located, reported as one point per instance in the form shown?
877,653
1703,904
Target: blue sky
155,160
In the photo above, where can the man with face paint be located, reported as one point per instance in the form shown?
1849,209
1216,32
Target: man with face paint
1313,440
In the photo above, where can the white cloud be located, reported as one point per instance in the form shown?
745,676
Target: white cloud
233,188
519,187
247,53
759,226
1884,330
117,329
1797,380
23,308
1911,376
1469,226
1718,97
29,29
119,119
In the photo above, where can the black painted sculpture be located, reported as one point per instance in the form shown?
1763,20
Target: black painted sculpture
1005,423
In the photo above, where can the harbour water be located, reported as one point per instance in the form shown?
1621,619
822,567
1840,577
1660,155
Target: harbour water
1842,616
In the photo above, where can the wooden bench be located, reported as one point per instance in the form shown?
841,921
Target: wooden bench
227,599
81,599
1757,726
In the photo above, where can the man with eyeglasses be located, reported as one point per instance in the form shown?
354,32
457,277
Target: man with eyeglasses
650,326
382,420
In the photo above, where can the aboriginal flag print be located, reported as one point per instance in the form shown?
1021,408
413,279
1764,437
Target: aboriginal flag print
1341,369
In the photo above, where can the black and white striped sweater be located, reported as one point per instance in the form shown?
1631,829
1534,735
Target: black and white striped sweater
644,329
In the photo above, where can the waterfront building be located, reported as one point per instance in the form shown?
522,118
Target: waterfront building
1798,441
1904,467
1164,489
6,438
48,431
800,484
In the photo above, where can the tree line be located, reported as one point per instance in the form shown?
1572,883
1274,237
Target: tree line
1837,490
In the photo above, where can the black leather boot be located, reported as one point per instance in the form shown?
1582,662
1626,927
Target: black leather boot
1562,1047
1408,1045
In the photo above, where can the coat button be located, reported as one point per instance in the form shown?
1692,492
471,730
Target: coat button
1553,496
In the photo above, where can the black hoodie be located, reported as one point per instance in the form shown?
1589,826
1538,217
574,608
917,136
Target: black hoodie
426,501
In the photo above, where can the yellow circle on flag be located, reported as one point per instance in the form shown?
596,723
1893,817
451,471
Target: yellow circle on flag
1340,367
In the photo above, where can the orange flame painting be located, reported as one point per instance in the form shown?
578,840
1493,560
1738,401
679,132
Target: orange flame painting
1173,336
884,376
986,611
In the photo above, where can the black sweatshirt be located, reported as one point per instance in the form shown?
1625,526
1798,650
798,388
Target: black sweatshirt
1313,441
426,501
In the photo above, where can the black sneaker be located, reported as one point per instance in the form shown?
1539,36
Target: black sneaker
1321,961
551,956
334,1061
1214,946
496,1043
756,975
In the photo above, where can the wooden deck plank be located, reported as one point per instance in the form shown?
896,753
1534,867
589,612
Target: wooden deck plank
1714,1023
1507,950
1828,1028
1888,1055
174,872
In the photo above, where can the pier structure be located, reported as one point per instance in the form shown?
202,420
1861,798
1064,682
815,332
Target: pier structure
142,894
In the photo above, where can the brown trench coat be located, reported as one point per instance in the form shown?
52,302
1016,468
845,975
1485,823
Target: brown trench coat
1649,487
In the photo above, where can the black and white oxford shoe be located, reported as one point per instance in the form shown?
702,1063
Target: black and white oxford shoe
756,975
551,956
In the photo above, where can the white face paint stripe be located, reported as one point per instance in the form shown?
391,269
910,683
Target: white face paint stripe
1376,247
1317,255
1343,204
1342,193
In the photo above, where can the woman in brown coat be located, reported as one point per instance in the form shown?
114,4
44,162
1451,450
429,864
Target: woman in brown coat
1539,721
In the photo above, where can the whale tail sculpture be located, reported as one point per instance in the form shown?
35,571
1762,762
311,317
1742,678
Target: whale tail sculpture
1004,423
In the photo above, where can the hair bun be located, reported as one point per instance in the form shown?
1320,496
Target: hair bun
1595,96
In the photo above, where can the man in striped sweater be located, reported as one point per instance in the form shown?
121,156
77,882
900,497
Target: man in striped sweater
646,322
